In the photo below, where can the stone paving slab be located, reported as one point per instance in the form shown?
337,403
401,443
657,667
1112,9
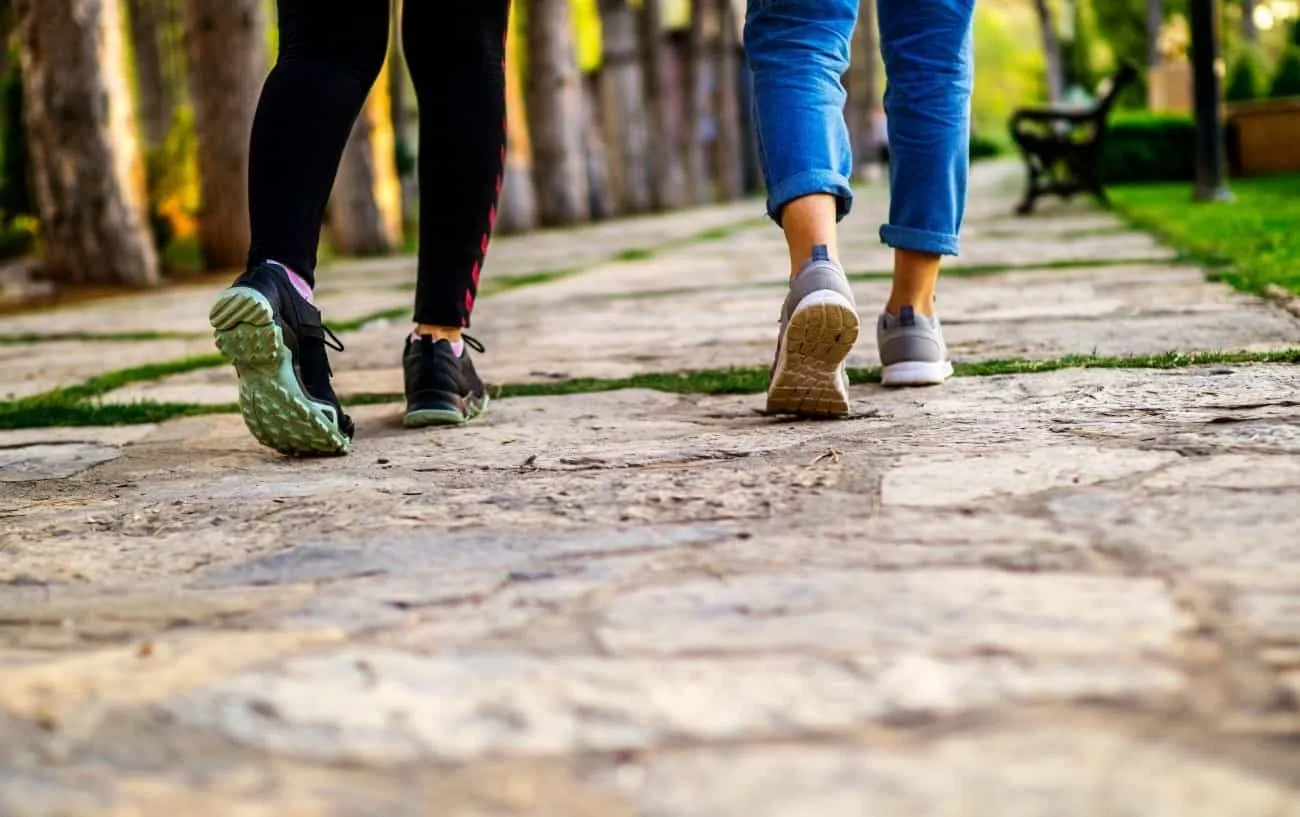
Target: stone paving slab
1051,594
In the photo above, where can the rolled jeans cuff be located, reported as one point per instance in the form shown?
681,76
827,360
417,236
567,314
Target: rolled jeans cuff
808,183
906,238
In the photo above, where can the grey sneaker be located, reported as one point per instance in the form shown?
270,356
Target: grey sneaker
912,350
819,325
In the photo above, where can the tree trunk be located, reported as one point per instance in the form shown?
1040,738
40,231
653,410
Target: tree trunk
555,114
1051,51
403,116
1155,19
518,207
226,45
1249,32
623,108
865,105
15,160
87,172
667,172
699,75
728,147
365,214
596,153
156,102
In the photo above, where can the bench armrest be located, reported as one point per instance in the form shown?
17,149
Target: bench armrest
1055,114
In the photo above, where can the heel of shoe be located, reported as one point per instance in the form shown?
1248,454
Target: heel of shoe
276,410
808,379
916,373
825,326
240,305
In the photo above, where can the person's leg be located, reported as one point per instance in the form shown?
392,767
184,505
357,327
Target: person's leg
797,51
928,62
330,54
267,323
456,53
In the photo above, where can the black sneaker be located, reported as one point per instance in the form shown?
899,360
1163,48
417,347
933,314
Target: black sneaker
441,388
277,341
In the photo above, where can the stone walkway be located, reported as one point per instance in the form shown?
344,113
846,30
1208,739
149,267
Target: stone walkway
1056,594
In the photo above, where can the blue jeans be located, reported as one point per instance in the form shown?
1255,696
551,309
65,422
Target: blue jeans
798,51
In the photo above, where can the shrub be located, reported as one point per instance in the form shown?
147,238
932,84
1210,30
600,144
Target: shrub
15,184
985,147
1286,82
173,180
18,236
1149,148
1248,79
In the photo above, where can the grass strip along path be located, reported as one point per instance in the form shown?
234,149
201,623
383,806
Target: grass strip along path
1253,241
1227,237
75,406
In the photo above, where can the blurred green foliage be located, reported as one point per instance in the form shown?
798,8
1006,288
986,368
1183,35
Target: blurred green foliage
1010,64
19,229
1144,147
1286,82
987,147
172,172
1248,78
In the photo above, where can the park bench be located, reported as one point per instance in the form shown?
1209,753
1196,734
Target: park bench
1063,145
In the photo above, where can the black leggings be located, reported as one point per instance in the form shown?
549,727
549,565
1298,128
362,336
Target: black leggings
331,52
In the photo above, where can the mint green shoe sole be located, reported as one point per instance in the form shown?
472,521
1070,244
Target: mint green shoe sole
276,409
444,417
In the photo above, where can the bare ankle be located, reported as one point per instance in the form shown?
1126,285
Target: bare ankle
450,333
809,222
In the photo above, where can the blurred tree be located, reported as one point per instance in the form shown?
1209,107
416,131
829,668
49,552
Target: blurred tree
1248,78
1009,56
600,195
86,165
226,45
728,148
1155,19
1051,51
365,212
157,102
1249,31
555,114
1124,28
1080,49
699,74
587,44
15,178
668,174
399,95
1286,82
864,105
623,108
518,207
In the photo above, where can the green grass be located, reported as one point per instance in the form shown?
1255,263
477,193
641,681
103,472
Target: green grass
382,315
1257,236
496,286
76,406
19,338
633,254
42,414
